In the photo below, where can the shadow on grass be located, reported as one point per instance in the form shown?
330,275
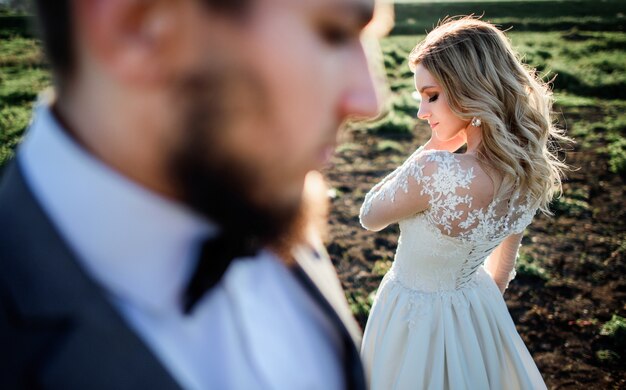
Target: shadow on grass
417,18
18,98
566,81
17,26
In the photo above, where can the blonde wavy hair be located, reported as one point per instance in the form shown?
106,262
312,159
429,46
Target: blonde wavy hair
483,77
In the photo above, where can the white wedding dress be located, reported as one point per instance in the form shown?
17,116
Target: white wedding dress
439,320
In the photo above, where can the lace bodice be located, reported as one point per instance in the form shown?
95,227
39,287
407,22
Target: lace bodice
449,221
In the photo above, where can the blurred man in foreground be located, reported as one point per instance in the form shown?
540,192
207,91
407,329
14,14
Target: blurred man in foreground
143,215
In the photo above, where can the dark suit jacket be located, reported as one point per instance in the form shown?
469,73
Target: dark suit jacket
58,330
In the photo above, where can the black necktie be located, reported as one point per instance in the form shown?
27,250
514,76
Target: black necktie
215,256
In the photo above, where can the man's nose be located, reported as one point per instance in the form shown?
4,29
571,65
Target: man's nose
361,98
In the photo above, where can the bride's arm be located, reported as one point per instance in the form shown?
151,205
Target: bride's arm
398,196
390,177
501,263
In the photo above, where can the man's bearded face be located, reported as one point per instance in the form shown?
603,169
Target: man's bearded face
219,171
262,104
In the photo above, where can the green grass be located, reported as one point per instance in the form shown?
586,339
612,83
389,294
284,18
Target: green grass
527,265
381,267
589,73
588,66
617,156
615,330
389,146
13,121
394,123
23,75
608,15
360,305
607,356
573,203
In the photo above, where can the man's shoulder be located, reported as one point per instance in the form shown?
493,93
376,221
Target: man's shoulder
26,231
17,209
14,194
3,168
11,185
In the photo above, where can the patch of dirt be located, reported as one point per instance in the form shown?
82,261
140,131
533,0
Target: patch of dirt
583,251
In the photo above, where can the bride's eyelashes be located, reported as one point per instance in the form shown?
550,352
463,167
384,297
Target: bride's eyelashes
433,98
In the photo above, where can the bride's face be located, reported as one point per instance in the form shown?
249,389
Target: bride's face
434,107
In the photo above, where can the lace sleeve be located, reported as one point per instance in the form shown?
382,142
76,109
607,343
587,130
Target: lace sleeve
501,263
429,179
380,201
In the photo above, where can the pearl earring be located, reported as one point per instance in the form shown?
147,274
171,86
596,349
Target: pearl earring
476,122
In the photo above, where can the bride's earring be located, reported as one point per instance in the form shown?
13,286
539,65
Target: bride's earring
476,122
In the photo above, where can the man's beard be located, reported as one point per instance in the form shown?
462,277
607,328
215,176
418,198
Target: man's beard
214,182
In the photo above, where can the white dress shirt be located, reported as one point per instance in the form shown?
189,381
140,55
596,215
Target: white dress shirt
257,329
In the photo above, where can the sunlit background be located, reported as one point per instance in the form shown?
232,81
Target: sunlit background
569,297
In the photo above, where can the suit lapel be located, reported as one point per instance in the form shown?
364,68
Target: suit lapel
317,267
317,274
76,339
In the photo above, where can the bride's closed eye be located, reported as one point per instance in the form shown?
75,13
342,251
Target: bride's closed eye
433,98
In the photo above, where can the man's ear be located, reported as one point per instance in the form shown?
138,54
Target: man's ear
134,41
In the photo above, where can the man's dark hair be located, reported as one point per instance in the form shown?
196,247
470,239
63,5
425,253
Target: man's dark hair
55,28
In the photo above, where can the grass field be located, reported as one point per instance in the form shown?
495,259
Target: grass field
568,298
603,15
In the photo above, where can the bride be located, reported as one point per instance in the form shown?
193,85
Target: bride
439,320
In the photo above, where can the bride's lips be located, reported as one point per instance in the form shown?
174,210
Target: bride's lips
433,125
